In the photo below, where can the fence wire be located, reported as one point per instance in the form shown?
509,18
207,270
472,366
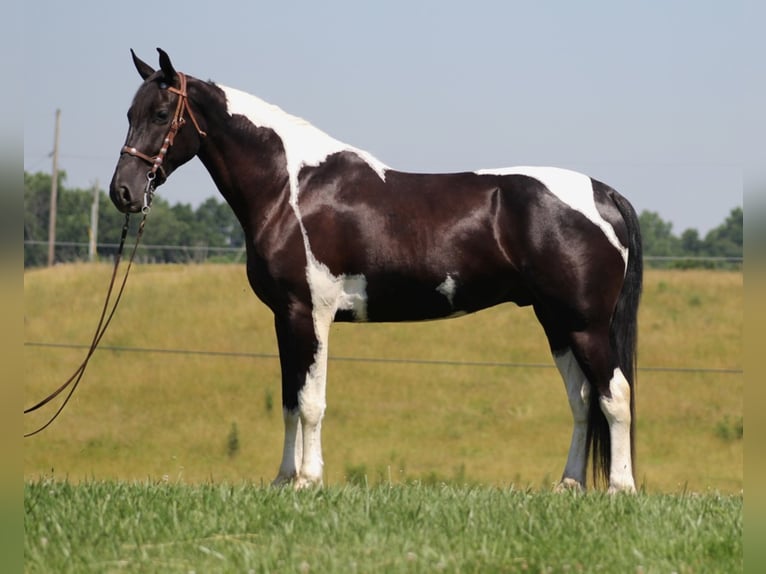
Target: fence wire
202,251
385,360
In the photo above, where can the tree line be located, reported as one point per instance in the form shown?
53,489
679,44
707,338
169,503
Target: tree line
179,233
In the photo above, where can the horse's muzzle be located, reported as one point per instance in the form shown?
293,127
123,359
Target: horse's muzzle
124,198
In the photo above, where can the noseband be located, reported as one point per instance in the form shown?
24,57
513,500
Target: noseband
182,105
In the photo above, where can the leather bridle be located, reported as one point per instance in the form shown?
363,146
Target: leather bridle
156,161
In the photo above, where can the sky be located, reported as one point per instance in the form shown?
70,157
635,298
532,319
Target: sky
645,96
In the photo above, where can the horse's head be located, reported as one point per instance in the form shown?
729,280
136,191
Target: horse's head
156,144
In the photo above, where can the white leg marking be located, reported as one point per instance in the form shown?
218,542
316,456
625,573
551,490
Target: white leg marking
312,401
292,452
617,411
573,188
578,393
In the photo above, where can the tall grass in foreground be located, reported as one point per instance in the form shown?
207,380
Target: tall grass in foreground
166,527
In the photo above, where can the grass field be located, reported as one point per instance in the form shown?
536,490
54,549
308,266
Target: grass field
159,462
151,527
196,418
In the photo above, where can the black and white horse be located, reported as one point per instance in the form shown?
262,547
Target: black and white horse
333,234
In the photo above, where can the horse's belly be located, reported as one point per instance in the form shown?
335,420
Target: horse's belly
400,299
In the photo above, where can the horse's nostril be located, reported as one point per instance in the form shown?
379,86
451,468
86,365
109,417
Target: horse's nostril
125,194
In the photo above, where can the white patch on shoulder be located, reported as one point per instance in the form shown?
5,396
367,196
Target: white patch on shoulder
330,293
305,145
573,188
448,288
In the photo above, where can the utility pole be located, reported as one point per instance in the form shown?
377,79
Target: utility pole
93,230
54,193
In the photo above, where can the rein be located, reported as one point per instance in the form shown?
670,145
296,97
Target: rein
103,323
106,314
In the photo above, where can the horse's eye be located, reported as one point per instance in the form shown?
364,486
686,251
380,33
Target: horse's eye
161,116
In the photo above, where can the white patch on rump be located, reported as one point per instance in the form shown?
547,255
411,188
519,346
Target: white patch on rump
573,188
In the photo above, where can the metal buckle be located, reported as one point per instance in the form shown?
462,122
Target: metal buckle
148,192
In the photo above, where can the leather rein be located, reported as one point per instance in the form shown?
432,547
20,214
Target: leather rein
182,106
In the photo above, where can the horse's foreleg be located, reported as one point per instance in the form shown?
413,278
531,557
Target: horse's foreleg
312,404
303,357
578,390
312,408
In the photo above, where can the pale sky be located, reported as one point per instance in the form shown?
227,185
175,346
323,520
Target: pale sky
645,96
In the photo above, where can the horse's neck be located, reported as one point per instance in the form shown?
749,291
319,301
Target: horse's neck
246,164
303,144
256,151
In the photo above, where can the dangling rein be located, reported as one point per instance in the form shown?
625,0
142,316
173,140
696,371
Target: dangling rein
155,161
103,321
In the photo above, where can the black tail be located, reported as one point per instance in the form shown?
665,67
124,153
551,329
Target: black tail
623,339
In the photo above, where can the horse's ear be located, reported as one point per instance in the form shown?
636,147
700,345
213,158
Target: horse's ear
144,69
166,66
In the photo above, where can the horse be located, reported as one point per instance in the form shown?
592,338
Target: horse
334,234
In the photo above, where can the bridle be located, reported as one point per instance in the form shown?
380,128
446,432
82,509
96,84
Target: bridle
182,106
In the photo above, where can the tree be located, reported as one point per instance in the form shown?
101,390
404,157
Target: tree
657,235
220,223
72,224
690,243
37,194
168,227
726,239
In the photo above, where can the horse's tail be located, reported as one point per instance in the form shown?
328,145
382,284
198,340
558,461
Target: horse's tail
623,335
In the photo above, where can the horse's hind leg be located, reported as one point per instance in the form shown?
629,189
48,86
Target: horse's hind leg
578,393
587,364
616,407
596,358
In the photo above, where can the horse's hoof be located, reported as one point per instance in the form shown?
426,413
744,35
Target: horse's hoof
569,485
305,482
283,480
621,488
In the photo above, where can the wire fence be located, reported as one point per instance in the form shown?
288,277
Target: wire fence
385,360
159,253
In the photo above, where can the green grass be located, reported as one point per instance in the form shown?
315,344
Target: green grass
154,527
150,416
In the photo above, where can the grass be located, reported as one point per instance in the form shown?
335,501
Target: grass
151,416
97,526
